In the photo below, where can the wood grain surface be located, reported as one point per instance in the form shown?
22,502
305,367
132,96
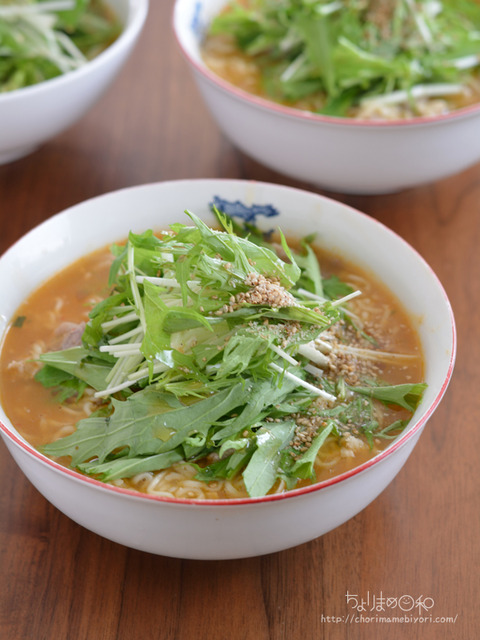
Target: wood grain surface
419,539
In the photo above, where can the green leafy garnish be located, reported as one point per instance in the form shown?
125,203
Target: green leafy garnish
40,40
403,395
66,385
304,466
206,351
344,53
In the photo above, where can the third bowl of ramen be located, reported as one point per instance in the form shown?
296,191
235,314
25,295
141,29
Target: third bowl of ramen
229,372
58,58
360,97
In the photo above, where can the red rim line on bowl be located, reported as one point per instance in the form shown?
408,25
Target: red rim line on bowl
300,114
402,439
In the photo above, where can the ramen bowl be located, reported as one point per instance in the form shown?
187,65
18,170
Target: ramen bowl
338,154
32,115
240,527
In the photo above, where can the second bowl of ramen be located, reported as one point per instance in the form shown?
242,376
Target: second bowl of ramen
374,148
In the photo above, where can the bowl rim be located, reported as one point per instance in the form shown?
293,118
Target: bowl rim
136,16
304,115
409,433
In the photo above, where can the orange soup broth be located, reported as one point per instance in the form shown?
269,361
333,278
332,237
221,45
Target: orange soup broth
69,296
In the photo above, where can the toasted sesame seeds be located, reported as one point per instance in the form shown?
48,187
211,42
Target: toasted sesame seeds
263,291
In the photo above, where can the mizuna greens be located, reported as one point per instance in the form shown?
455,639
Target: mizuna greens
213,350
40,40
357,52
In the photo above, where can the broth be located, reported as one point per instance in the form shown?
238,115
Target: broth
42,323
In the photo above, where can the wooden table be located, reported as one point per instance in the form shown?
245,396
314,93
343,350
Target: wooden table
419,539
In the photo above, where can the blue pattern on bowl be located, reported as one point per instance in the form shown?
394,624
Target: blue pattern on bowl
246,213
196,24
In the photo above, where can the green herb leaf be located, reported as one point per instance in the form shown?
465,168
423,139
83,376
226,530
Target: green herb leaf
147,423
262,470
126,467
65,384
407,396
304,466
78,363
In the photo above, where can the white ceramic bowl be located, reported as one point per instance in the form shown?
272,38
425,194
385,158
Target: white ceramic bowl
339,154
32,115
236,528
